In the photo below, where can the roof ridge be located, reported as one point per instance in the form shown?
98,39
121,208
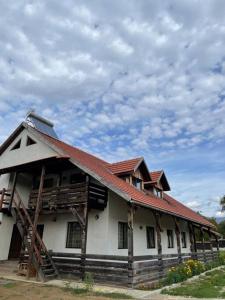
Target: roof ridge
127,160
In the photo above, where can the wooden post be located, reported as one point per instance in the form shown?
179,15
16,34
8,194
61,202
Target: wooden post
203,242
159,241
13,191
177,231
130,242
36,216
195,244
210,243
217,243
84,230
192,239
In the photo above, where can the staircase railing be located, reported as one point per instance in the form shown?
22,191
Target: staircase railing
40,249
3,201
38,252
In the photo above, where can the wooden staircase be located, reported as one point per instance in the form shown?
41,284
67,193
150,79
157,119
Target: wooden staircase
39,256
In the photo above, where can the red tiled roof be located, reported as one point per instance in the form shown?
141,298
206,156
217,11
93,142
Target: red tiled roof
102,171
125,166
155,175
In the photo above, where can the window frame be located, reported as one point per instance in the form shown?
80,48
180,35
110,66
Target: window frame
170,239
124,235
17,145
137,182
148,238
68,242
184,239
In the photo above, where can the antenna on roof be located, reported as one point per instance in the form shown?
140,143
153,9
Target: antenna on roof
40,123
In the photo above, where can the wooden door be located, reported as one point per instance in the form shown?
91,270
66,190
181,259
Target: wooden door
16,244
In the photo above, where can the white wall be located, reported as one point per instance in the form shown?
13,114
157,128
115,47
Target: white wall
25,153
6,227
102,235
55,232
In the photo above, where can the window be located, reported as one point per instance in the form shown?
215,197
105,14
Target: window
16,146
77,178
157,192
30,141
170,238
122,235
73,235
48,183
183,240
150,231
137,182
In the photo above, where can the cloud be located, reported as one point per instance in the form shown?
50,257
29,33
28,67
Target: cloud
121,79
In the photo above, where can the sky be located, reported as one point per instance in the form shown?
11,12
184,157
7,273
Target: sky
124,79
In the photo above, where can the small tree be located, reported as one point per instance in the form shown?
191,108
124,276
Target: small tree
222,203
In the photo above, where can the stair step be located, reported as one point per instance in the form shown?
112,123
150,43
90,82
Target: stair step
48,271
51,275
46,265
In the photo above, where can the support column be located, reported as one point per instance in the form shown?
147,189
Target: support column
130,242
217,245
177,231
36,216
84,230
13,191
210,243
191,236
159,241
195,245
203,242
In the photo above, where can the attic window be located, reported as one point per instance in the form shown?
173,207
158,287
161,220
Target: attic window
17,145
30,141
137,182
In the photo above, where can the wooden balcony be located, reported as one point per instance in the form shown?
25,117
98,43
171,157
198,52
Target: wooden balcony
63,197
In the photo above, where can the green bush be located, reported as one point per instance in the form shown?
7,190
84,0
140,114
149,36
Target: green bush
191,268
184,271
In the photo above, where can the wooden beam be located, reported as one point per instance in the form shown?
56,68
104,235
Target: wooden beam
13,191
84,230
177,232
159,240
76,214
203,242
217,243
36,216
192,239
210,243
130,245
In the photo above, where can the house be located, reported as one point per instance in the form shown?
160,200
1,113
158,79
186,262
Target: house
65,212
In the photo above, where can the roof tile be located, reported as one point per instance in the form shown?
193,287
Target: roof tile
104,170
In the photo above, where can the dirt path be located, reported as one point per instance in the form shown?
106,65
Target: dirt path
28,291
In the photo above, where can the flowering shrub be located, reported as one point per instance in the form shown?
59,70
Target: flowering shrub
184,271
192,267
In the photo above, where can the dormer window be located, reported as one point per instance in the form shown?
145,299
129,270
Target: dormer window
157,192
137,182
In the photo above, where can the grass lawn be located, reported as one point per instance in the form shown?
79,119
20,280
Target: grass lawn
28,291
209,285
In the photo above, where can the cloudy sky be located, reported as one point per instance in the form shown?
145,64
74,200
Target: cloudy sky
124,79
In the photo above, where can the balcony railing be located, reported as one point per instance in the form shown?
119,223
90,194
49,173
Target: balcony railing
62,197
